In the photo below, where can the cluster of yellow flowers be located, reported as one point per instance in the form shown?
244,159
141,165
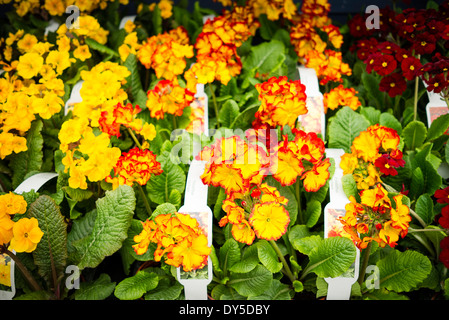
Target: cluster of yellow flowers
273,8
130,44
74,39
56,7
32,87
22,235
165,7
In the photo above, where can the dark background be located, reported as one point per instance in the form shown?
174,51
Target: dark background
340,9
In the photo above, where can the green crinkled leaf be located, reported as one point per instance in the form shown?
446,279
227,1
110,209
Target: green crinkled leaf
51,252
135,287
173,177
371,84
424,208
403,271
99,289
432,179
417,183
349,185
165,292
252,283
344,127
265,58
388,120
248,261
31,159
371,114
277,291
332,257
80,229
228,112
414,134
229,254
164,208
305,245
114,215
268,256
438,127
313,213
133,80
93,44
297,233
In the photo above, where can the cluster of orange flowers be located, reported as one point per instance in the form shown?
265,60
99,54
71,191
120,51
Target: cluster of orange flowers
341,96
135,166
239,167
282,101
302,157
234,164
216,51
328,65
304,34
168,97
260,213
179,239
273,8
125,115
166,53
375,218
374,152
22,235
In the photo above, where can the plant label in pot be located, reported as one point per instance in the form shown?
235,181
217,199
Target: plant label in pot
313,120
195,204
339,288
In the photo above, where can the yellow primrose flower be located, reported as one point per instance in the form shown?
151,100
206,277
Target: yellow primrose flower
26,43
59,60
269,220
48,105
5,274
6,225
29,65
26,235
82,52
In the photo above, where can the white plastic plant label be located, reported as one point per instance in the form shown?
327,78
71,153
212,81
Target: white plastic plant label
208,17
125,19
199,112
339,288
7,279
195,204
75,97
314,119
435,107
52,27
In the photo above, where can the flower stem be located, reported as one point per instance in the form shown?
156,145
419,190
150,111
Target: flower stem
362,272
145,200
131,133
298,199
174,122
24,270
287,269
214,99
415,102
